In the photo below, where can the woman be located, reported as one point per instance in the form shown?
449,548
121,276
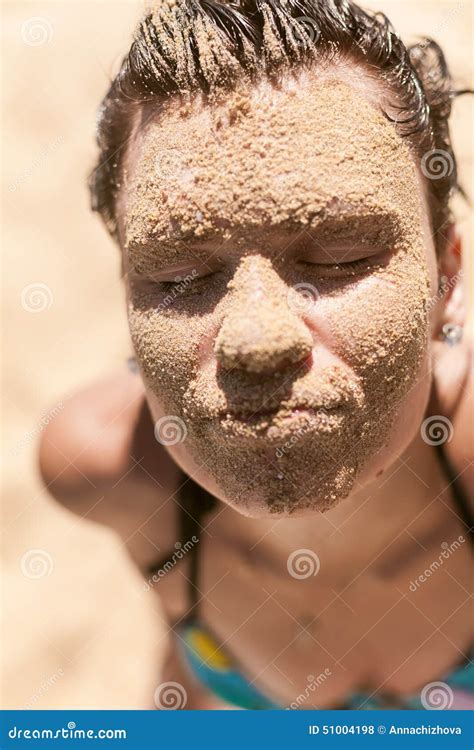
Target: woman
290,464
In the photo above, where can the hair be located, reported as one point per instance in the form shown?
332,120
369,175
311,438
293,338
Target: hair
196,46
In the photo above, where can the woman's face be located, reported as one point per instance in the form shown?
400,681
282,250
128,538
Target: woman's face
289,363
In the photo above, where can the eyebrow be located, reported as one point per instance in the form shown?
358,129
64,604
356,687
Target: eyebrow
380,223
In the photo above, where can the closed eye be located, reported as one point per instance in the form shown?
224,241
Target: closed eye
185,273
181,284
342,269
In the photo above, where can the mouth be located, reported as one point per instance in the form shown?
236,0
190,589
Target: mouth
278,424
295,406
269,414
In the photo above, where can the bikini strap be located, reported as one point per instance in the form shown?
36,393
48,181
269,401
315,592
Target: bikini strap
193,502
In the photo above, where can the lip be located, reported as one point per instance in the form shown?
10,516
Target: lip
243,416
278,425
282,409
282,415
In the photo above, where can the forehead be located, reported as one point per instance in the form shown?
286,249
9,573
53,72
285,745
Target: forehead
267,156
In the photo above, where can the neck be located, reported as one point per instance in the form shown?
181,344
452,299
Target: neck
391,502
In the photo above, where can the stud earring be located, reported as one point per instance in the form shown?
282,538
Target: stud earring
443,281
451,334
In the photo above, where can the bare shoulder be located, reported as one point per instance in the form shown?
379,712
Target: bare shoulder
454,374
90,437
99,459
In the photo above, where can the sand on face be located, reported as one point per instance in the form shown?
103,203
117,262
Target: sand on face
80,631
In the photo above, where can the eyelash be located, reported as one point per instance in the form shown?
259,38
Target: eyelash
193,284
350,268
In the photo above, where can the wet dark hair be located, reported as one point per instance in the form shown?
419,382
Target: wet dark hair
262,38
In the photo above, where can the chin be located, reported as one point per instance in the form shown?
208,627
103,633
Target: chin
262,478
285,501
257,484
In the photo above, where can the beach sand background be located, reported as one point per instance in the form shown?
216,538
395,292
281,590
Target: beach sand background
85,634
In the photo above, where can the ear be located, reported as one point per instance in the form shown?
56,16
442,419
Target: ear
450,363
451,292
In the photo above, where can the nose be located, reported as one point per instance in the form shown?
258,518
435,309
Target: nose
260,332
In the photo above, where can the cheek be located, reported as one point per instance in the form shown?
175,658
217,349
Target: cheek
168,345
379,326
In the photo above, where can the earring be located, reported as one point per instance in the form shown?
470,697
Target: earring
451,334
132,365
443,281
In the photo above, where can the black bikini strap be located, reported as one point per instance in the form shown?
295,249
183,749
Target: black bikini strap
193,503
